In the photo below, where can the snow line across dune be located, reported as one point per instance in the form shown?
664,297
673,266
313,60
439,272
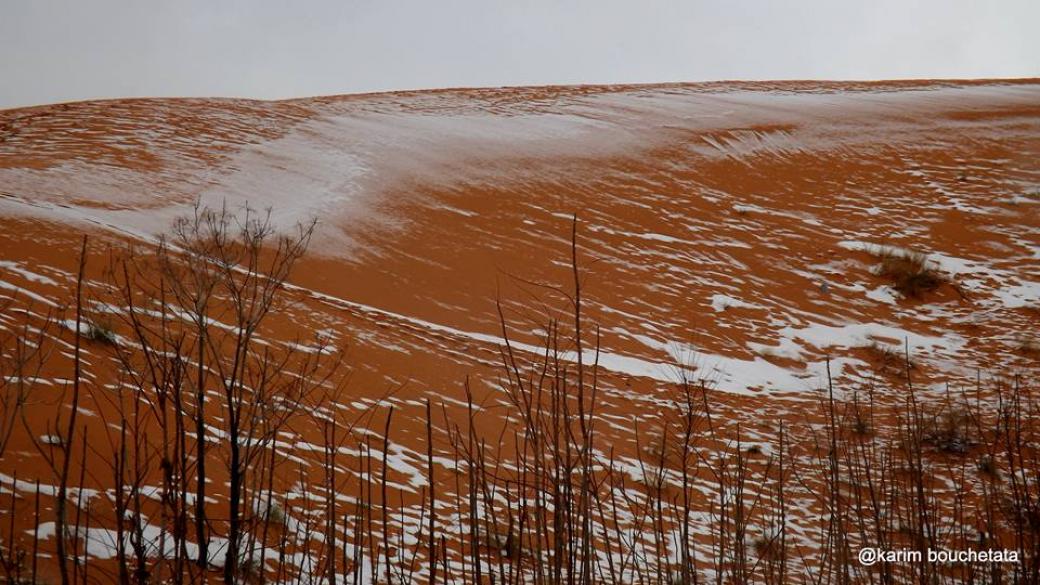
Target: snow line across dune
734,375
725,373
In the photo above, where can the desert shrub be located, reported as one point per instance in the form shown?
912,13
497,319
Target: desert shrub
909,272
765,546
276,515
888,359
859,419
987,466
101,333
948,432
1029,347
861,427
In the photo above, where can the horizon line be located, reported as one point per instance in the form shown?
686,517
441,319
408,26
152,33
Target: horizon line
907,81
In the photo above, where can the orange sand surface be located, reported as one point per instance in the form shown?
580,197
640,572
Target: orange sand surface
728,230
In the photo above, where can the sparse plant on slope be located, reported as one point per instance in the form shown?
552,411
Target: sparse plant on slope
101,332
1029,346
888,359
949,431
910,272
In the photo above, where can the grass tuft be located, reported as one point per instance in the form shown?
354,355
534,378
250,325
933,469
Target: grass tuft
889,360
101,333
1029,347
276,515
909,272
948,432
987,466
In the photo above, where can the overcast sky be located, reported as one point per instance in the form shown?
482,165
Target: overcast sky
53,51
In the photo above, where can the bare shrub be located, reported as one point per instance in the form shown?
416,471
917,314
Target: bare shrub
101,333
910,272
949,431
889,360
1028,346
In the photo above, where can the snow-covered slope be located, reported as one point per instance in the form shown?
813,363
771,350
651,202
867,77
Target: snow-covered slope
729,221
730,233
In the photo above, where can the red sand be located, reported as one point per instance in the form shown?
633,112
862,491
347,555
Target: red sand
727,226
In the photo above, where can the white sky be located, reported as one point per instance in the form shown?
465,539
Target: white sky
53,51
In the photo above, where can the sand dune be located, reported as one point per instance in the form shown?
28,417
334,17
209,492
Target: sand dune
731,231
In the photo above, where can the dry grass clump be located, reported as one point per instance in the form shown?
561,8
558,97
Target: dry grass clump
766,547
949,431
909,272
276,515
858,419
861,427
101,333
1029,347
889,360
988,467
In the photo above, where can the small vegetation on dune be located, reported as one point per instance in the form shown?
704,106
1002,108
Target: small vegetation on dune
101,333
1029,347
987,466
765,547
276,515
859,418
948,431
888,359
910,272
